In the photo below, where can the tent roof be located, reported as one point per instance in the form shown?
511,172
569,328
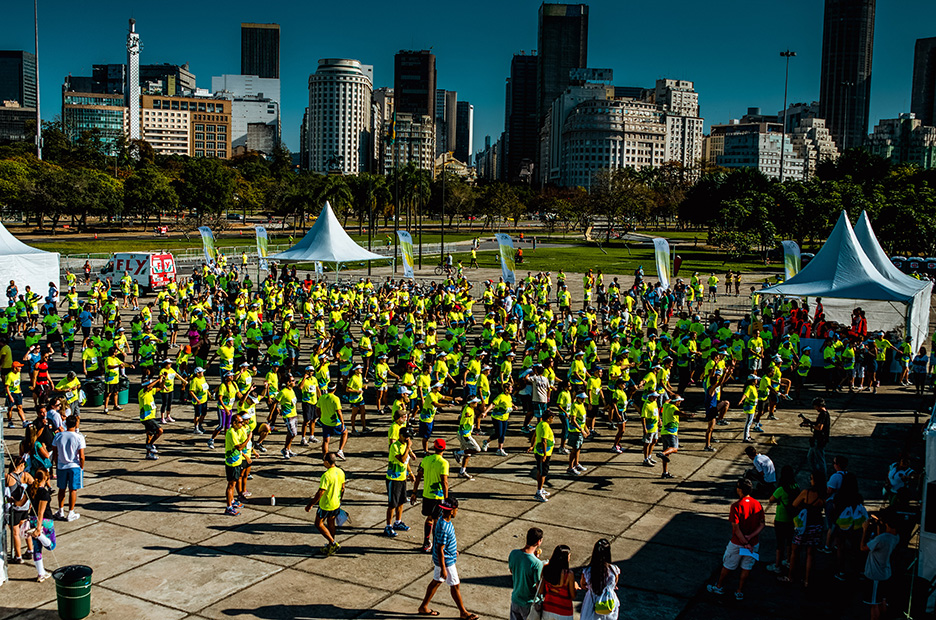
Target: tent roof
10,245
326,241
842,270
869,243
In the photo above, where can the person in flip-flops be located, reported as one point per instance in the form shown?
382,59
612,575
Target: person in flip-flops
444,554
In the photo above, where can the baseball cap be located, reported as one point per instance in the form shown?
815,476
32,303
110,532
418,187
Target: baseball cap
439,444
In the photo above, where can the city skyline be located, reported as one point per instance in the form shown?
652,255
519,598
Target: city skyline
731,74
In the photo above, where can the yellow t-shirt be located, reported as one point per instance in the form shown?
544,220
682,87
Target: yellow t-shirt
331,483
434,466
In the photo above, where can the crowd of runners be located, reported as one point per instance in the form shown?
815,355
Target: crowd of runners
447,371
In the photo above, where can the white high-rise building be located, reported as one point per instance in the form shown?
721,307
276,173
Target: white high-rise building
133,79
255,110
339,128
680,104
247,86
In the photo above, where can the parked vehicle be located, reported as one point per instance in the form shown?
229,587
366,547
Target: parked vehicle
150,270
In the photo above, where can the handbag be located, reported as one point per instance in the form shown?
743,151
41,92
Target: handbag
606,602
536,611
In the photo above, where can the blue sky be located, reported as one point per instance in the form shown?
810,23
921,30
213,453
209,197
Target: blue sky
729,48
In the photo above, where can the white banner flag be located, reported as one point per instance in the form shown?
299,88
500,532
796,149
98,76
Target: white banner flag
507,257
662,255
406,249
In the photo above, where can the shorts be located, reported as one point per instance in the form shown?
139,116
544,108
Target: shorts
711,413
451,575
542,465
396,493
292,426
876,596
733,558
670,441
113,388
650,438
425,430
17,400
539,409
430,507
308,412
468,443
233,474
332,431
151,426
575,440
70,478
326,514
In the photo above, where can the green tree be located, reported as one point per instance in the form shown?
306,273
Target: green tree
147,193
206,188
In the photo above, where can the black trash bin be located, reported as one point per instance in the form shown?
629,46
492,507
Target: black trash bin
73,591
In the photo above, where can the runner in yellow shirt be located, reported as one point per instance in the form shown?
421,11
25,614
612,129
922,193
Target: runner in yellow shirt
328,498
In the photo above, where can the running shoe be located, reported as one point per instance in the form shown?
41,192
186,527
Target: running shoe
666,475
285,454
389,531
581,468
231,511
540,497
714,589
43,577
501,452
458,458
617,449
261,448
399,525
341,456
484,446
211,444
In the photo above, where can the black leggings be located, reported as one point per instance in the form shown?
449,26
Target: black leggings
165,402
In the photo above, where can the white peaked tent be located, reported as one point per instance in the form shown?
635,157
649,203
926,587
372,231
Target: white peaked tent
26,265
325,242
845,276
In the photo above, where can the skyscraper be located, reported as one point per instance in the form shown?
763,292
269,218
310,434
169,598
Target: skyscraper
923,99
845,86
260,50
18,78
133,80
446,105
339,121
464,131
562,40
414,83
521,123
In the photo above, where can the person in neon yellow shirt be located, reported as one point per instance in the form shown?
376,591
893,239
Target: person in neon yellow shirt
332,421
236,439
398,470
147,400
309,394
355,393
470,418
501,408
198,393
748,404
543,442
578,431
328,497
435,470
287,402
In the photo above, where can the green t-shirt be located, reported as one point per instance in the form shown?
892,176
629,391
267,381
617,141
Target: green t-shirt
784,501
434,466
329,405
526,570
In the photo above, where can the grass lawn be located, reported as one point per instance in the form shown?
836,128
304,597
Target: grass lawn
616,260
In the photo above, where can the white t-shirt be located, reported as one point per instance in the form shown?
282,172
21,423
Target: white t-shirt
765,466
68,444
540,388
835,483
55,420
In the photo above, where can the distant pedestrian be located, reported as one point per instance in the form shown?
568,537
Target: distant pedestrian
525,571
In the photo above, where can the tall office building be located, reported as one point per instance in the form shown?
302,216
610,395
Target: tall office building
18,78
845,86
340,114
923,98
521,122
260,50
105,113
133,80
562,40
446,105
414,83
464,131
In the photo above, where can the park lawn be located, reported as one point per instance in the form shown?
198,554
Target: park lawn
616,260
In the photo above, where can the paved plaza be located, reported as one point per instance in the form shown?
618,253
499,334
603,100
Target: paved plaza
155,533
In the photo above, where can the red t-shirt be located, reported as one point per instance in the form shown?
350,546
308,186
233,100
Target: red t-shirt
748,514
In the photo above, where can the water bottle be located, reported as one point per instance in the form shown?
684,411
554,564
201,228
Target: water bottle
272,500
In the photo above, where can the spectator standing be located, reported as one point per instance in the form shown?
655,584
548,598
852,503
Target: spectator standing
783,519
600,580
558,586
879,538
69,450
820,436
525,571
444,555
747,521
807,508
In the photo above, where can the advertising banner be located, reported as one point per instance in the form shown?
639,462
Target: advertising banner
262,247
507,257
791,259
406,248
208,243
662,255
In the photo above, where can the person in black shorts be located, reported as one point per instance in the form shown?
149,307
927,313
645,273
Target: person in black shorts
401,451
714,408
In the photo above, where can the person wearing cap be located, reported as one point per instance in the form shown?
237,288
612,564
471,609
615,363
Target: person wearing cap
113,365
617,412
146,398
749,405
596,400
332,421
500,413
803,366
715,408
434,469
398,471
355,394
14,394
309,391
382,373
578,431
669,431
444,550
286,402
469,419
236,444
198,391
227,395
328,497
270,390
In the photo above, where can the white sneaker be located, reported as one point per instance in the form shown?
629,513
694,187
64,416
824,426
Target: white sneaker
72,515
540,497
501,452
581,468
341,456
43,577
484,446
59,514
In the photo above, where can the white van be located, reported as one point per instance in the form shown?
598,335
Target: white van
150,270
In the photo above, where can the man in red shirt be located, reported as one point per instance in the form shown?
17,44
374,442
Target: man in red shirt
747,522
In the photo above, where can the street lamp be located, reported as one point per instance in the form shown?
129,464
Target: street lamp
786,81
38,117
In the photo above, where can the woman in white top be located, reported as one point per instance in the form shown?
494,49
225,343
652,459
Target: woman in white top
599,581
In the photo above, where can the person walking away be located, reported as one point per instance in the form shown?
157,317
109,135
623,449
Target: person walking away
68,449
669,432
558,586
747,522
783,519
444,554
435,469
820,436
600,580
17,482
42,527
525,572
879,539
847,526
328,498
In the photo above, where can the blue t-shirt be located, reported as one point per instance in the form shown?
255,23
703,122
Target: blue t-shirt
443,533
86,318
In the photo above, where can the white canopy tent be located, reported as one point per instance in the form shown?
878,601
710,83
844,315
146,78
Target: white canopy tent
326,242
26,265
845,276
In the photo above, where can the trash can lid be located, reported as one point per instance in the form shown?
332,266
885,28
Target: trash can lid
71,574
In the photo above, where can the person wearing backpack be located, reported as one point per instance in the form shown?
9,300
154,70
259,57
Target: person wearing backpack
600,580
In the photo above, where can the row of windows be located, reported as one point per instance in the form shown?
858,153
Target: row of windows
210,154
199,106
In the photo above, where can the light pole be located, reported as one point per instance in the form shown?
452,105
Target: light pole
442,227
786,80
38,117
847,87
